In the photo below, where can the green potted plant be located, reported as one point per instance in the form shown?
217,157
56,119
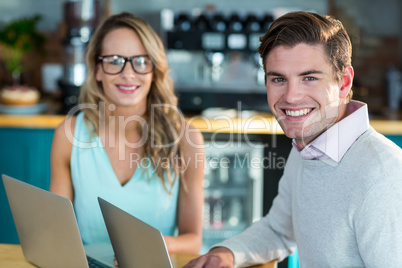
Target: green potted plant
17,39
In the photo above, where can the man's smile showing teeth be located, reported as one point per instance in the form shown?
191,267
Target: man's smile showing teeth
295,113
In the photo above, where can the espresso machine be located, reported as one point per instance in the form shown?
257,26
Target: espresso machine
213,57
81,18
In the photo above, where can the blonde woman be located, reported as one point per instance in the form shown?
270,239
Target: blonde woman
129,143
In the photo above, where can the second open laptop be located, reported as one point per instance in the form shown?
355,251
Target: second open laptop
136,243
48,230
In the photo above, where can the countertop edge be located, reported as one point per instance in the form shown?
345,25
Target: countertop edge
252,125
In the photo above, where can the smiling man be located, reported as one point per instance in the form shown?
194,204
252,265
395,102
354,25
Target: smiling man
303,94
340,197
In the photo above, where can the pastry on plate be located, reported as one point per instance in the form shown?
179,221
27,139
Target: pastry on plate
19,95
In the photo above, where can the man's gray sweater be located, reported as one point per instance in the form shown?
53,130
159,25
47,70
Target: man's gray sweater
346,214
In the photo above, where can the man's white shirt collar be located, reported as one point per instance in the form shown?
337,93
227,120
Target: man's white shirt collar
336,140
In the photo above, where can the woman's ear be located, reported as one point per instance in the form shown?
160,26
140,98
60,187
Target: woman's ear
347,81
98,73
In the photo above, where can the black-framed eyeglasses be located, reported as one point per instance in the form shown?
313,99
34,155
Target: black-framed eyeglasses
114,64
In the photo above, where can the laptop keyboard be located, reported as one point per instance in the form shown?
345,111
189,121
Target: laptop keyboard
92,263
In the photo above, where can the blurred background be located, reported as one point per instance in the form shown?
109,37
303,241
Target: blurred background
211,47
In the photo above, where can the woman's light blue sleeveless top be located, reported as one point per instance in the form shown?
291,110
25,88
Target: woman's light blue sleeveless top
92,175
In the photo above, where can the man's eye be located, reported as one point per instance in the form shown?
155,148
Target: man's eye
309,78
278,80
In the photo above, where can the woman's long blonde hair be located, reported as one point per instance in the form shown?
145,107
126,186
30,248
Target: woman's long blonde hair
161,144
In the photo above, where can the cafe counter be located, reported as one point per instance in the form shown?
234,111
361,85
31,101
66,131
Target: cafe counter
258,123
11,256
25,143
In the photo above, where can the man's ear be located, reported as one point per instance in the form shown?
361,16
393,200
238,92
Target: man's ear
347,81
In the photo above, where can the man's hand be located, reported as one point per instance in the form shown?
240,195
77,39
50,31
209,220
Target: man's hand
219,257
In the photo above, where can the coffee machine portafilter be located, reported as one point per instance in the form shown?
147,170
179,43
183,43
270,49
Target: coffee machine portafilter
81,19
215,60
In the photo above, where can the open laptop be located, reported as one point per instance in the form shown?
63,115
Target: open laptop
48,230
136,243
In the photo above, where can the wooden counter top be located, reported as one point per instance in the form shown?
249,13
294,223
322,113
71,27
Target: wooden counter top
33,121
258,124
11,256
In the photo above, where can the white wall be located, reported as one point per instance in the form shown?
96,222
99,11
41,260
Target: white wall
378,17
52,10
155,5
